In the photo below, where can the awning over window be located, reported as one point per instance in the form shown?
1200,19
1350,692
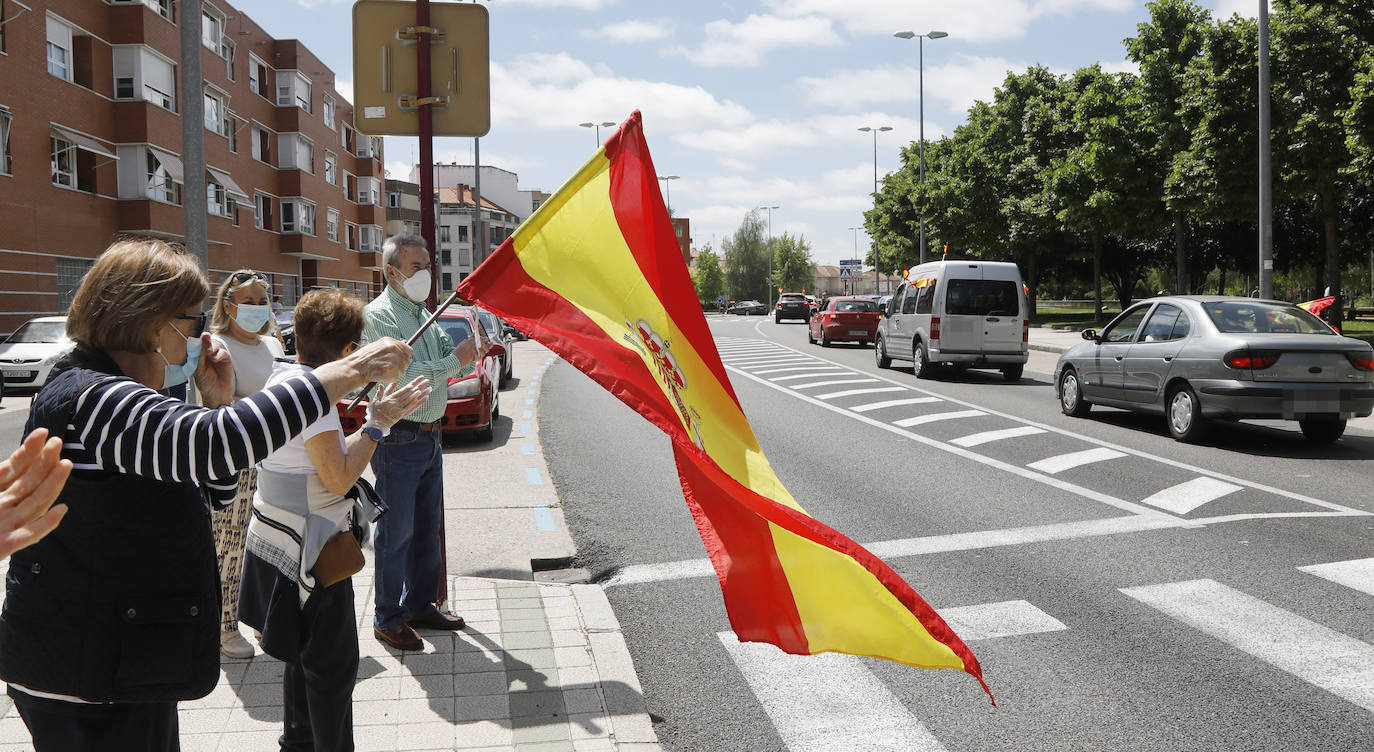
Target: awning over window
85,143
172,164
230,187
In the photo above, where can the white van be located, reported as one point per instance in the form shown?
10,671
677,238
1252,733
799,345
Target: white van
971,314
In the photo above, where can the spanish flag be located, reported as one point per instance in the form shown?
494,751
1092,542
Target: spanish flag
597,276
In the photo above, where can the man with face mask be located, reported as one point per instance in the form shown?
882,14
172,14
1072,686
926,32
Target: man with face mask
408,462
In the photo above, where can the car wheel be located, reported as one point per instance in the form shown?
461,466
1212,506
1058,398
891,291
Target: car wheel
777,319
880,352
810,338
1183,414
1071,400
825,341
1013,373
1322,430
920,361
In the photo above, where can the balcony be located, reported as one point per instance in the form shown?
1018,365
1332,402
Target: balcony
306,247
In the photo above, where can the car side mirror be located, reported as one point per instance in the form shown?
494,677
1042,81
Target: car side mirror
496,349
1090,334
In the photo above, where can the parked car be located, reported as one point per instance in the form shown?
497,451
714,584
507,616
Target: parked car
791,305
474,401
495,329
28,355
971,314
1195,358
286,326
853,318
748,308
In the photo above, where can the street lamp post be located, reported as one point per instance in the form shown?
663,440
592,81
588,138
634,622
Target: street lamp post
668,192
770,209
852,284
1266,196
921,99
598,127
876,130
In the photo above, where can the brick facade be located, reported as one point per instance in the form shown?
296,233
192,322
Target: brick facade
90,76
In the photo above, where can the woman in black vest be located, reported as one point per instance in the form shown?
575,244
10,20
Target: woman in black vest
111,619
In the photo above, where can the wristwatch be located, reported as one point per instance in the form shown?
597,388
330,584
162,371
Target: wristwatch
374,433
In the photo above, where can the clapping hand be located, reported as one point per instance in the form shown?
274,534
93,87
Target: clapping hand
215,374
394,403
382,361
30,480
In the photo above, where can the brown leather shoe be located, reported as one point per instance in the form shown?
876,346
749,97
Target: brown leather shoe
436,620
400,637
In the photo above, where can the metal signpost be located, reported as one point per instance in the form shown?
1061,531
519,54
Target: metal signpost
422,69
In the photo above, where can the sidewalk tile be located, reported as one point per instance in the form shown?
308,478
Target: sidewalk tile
373,739
593,745
553,746
257,719
534,731
568,638
535,658
538,704
584,700
245,740
484,734
189,742
481,683
485,708
427,685
588,726
572,656
425,736
431,710
190,720
378,688
520,640
429,663
374,712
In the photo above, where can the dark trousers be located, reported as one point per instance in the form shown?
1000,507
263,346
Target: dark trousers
409,465
59,726
317,690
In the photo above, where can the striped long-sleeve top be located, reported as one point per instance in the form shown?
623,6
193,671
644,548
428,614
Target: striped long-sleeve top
122,426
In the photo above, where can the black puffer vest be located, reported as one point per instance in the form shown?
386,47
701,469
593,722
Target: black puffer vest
121,602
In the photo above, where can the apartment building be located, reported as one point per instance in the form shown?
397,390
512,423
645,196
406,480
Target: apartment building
456,237
90,149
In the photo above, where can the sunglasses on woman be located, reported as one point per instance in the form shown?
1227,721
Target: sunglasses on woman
241,277
199,318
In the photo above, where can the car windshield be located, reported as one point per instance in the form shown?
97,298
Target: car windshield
489,324
286,317
866,306
40,331
457,329
981,297
792,299
1254,317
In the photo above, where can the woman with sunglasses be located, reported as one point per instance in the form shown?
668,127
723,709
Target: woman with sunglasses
240,324
112,618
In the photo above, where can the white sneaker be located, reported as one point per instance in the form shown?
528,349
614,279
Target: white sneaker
232,645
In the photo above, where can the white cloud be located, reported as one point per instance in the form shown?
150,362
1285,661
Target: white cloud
735,164
1246,8
571,4
343,83
955,85
971,20
1122,66
632,31
311,4
744,44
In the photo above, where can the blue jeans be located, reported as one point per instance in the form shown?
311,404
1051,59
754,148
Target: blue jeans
409,466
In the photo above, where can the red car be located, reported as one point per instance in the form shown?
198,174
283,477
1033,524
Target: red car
850,318
474,401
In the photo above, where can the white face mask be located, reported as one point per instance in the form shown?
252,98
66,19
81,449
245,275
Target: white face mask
417,287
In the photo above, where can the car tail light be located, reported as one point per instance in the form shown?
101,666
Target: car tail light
1253,360
934,327
1361,362
1025,331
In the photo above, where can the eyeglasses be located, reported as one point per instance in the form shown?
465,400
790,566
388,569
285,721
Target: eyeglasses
242,277
199,318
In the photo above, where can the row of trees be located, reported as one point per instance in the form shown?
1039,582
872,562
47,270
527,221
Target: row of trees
1154,177
744,275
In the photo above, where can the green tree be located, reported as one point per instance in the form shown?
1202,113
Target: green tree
1164,47
707,276
746,259
793,269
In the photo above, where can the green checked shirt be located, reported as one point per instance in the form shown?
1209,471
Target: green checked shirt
391,314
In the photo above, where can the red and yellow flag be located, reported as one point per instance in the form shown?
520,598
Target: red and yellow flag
597,276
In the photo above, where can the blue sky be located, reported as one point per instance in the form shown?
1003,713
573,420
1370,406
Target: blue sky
753,102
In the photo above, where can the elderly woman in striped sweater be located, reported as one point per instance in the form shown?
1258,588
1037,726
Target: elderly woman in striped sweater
113,617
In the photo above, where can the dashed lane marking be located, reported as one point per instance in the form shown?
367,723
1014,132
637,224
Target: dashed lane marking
987,437
988,620
895,403
1318,655
813,374
921,420
1189,495
834,382
796,368
852,392
1356,574
1061,462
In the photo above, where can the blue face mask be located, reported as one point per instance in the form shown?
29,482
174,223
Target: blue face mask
175,375
252,317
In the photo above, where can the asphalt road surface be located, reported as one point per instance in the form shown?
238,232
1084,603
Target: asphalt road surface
1121,590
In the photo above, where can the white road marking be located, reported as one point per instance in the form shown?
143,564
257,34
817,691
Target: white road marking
1357,574
770,361
1333,509
636,574
986,437
1316,654
827,701
1061,462
810,375
817,367
852,392
895,403
921,420
987,620
835,382
1189,495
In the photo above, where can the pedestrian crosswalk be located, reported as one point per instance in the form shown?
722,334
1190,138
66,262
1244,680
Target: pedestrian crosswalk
836,702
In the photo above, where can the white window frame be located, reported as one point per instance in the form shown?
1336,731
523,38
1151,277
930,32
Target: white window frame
327,110
221,119
293,89
331,167
259,198
217,201
393,199
351,236
211,28
6,123
60,152
256,129
353,198
158,183
302,221
60,64
256,84
332,225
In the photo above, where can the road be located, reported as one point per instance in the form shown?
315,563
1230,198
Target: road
1121,590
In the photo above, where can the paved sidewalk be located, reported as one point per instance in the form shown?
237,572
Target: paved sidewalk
540,667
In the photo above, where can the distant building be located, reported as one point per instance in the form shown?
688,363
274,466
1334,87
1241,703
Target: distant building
90,149
682,227
497,184
460,249
829,281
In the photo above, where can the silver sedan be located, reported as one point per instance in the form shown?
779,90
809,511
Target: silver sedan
1192,358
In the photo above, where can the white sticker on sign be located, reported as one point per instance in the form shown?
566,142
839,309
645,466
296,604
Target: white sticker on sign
374,112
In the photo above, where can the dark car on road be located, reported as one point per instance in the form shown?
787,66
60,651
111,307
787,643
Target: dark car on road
748,308
792,305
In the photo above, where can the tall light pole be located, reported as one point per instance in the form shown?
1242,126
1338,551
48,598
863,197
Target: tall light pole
852,284
598,127
921,99
770,209
1266,199
876,130
668,192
